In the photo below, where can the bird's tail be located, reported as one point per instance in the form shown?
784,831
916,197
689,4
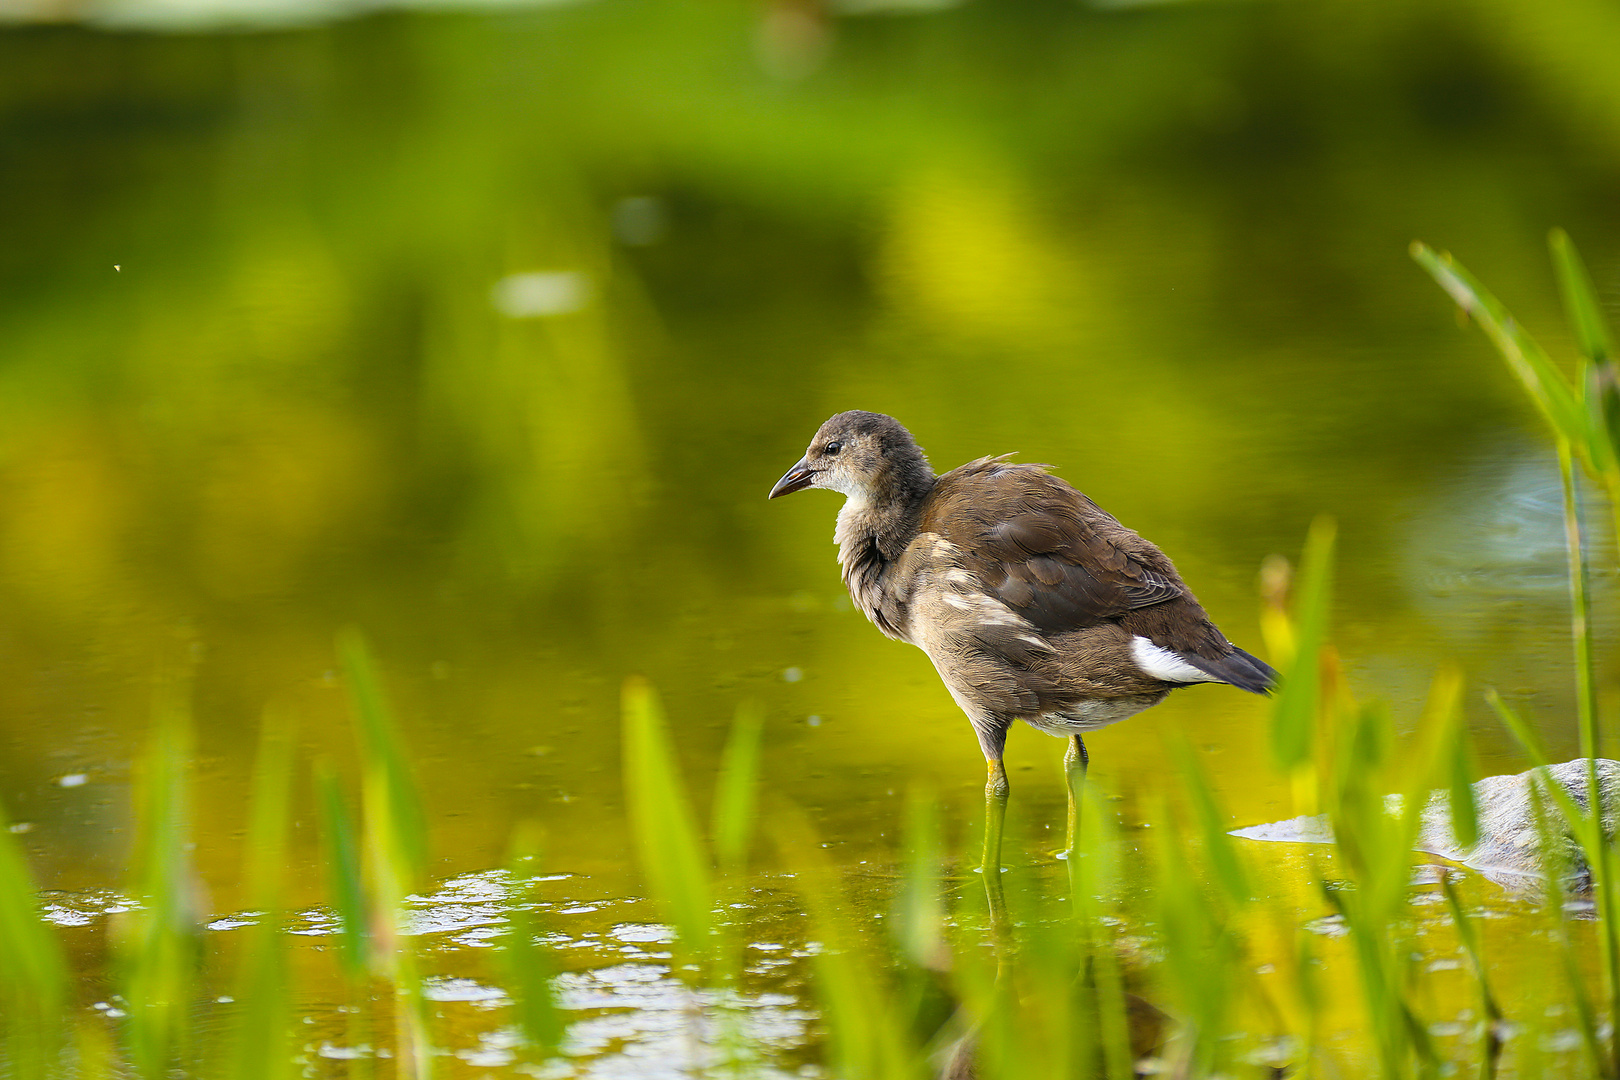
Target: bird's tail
1238,668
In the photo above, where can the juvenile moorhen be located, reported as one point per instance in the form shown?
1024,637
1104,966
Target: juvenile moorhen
1033,603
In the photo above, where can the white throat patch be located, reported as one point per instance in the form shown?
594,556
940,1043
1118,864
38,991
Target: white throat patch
855,501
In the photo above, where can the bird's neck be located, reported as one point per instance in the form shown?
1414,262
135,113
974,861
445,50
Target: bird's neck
881,520
874,528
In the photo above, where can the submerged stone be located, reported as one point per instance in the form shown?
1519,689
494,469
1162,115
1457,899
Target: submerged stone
1509,841
1509,848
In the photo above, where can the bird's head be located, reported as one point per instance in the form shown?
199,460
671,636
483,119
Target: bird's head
866,455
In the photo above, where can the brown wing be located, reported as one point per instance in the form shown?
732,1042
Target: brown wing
1045,550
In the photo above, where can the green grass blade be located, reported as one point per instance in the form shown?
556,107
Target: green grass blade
1596,845
1293,724
1547,386
97,1057
272,799
1599,385
1360,826
529,968
920,914
1581,305
1374,852
395,821
31,961
1113,1013
33,971
734,792
1587,830
262,1049
1096,880
1522,733
159,957
867,1035
1197,953
670,855
395,849
344,881
1490,1012
1460,789
1213,824
1443,762
1580,613
1558,871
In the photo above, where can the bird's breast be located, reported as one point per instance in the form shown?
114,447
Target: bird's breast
870,581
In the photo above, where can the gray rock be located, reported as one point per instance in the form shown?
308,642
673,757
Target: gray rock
1509,842
1509,847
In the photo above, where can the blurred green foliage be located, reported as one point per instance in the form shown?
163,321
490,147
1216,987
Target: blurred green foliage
1139,243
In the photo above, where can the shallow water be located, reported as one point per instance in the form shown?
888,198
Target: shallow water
489,333
630,1015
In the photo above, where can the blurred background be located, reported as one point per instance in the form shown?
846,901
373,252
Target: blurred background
487,329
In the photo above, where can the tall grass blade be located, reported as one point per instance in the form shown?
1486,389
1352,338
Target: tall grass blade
1586,825
1293,723
1491,1017
1578,294
1580,300
734,791
528,965
97,1057
670,854
394,817
1276,627
261,1047
345,885
1598,383
1095,880
1548,388
1525,736
867,1035
33,971
917,926
1376,862
1213,824
1580,612
919,922
1197,954
160,953
1445,760
1460,790
1558,873
395,849
1375,849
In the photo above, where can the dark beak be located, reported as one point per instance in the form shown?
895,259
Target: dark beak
797,479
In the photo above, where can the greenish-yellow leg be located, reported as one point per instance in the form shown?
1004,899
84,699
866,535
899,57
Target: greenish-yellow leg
995,816
1074,776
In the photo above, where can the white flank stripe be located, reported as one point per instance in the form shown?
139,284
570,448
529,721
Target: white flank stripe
1163,664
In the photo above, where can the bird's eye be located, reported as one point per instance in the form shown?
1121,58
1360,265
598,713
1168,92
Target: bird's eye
832,448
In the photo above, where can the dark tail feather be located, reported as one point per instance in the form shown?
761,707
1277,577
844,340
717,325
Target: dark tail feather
1238,668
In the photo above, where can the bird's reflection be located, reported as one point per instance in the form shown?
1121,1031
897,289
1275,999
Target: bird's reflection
1074,971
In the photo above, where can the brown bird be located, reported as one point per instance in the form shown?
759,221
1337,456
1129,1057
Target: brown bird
1033,603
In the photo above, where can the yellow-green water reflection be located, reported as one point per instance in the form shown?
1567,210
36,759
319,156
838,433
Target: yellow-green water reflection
488,334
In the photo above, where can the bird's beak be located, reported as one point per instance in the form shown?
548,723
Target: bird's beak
795,479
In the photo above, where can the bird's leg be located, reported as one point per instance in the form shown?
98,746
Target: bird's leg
995,816
1075,761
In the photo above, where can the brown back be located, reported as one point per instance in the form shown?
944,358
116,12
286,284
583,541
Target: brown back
1047,551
